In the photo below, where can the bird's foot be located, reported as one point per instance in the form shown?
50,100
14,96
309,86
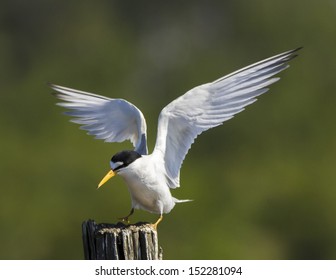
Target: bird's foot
124,220
157,222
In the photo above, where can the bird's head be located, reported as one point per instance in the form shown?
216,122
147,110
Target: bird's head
118,162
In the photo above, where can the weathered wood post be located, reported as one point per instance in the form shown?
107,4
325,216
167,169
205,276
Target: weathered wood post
120,242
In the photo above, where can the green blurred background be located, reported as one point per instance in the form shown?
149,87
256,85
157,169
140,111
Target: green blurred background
263,184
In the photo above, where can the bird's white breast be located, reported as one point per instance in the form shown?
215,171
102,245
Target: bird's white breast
148,186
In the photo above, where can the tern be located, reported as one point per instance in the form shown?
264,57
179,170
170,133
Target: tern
149,177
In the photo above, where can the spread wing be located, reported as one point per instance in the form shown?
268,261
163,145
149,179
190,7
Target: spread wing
209,105
113,120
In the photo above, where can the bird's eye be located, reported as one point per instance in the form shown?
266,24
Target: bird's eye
116,165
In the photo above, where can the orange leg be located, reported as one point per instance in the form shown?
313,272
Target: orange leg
157,222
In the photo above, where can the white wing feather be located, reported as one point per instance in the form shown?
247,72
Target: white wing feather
209,105
114,120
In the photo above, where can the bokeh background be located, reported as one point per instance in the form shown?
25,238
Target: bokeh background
263,184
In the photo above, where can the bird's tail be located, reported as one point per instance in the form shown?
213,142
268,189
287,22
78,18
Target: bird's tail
181,200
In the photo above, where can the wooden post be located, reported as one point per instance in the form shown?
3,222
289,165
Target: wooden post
120,242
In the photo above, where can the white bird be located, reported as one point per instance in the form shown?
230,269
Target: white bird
149,177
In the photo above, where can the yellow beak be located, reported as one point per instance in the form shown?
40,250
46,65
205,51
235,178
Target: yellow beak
107,177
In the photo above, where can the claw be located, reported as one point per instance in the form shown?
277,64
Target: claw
125,219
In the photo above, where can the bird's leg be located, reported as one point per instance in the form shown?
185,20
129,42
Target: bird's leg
125,219
157,222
